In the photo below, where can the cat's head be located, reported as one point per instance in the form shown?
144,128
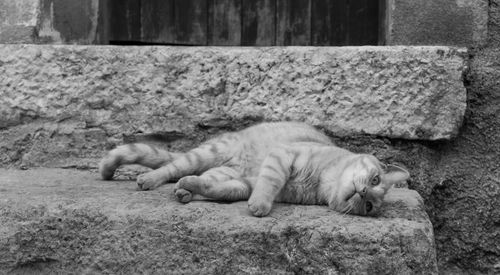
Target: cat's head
364,183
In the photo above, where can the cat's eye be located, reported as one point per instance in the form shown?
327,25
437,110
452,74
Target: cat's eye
375,180
369,207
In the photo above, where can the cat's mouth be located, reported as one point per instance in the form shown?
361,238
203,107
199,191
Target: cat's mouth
352,194
349,196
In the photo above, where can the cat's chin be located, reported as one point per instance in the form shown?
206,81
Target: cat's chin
350,203
343,204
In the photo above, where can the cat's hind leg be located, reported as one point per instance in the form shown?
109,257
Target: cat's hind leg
134,153
194,162
220,183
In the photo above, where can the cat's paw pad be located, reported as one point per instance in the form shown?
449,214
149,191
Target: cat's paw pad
148,181
183,195
259,207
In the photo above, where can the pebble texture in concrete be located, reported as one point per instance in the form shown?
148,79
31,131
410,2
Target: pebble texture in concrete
60,221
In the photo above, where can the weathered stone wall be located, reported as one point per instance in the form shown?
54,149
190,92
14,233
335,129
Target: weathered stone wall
50,21
70,22
438,22
459,179
18,21
64,102
494,23
464,203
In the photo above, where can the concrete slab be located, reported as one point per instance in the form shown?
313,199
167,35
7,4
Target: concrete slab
69,221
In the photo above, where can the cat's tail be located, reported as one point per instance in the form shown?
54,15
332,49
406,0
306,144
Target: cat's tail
134,153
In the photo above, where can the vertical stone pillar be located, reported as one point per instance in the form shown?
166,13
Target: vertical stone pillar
49,21
18,21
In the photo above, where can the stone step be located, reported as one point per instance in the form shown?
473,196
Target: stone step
66,103
70,221
401,92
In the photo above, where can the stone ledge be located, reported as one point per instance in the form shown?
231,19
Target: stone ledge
398,92
56,220
72,101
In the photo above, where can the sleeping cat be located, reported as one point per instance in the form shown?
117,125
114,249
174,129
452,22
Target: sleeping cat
270,162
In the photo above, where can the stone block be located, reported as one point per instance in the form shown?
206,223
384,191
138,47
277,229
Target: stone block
69,221
49,22
399,92
18,21
438,22
494,24
52,96
68,22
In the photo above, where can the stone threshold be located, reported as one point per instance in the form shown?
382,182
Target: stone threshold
70,221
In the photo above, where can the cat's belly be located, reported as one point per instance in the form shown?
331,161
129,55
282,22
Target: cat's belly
300,192
248,159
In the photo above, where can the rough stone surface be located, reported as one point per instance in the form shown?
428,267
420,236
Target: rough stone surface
70,22
55,220
458,179
62,100
465,200
49,22
494,24
438,22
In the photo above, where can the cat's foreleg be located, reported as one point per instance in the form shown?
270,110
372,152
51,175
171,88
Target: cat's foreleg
274,173
220,183
135,153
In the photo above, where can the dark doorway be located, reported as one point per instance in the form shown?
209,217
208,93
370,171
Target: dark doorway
244,22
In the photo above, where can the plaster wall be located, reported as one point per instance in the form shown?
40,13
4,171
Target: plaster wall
437,22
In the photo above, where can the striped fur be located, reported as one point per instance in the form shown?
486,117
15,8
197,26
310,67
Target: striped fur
270,162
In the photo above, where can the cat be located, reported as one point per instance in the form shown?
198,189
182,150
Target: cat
288,162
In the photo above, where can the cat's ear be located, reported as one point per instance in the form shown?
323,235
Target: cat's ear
393,174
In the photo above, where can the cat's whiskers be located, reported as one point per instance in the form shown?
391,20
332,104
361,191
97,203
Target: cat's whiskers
347,209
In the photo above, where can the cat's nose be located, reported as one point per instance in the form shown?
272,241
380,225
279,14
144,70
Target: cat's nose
362,193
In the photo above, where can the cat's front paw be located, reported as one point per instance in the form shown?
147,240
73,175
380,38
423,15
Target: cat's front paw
259,207
148,181
183,195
